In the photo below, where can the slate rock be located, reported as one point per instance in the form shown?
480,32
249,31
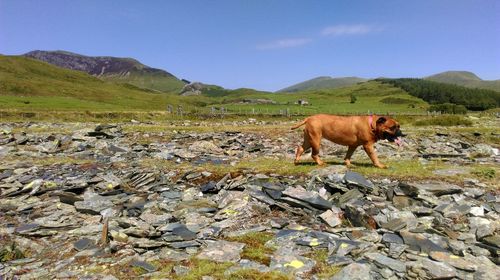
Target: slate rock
172,255
349,196
392,238
354,271
291,263
493,240
435,270
184,244
419,242
311,198
453,260
331,218
354,178
184,233
385,261
93,204
144,265
221,251
84,244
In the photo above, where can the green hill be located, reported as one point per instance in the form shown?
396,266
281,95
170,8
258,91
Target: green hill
122,70
27,83
439,93
372,96
323,83
464,78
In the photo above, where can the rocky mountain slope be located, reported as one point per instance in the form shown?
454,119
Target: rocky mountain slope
126,70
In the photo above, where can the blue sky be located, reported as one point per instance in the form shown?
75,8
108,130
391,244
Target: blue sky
266,44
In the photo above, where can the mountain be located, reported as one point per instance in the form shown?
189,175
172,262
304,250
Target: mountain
121,70
323,83
464,78
33,84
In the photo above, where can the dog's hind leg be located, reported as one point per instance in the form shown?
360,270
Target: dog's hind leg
301,149
315,144
350,151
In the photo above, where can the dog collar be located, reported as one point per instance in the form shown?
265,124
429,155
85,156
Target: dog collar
370,123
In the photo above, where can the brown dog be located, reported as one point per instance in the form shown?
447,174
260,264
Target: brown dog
351,131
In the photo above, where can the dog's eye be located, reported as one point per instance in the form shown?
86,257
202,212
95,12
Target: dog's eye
393,128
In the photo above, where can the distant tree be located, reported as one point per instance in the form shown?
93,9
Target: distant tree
353,98
440,93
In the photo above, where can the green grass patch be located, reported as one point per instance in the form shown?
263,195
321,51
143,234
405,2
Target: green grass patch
199,268
10,252
485,172
255,248
322,270
444,120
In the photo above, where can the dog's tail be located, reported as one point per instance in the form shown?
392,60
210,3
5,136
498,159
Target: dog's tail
300,124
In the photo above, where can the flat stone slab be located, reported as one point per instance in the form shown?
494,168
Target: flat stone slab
435,270
354,271
144,265
311,198
221,251
354,178
84,244
385,261
419,242
453,260
330,218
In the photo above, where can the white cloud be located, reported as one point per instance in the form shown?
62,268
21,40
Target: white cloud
354,29
284,43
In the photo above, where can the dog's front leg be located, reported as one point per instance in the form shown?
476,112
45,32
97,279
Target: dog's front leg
350,151
370,151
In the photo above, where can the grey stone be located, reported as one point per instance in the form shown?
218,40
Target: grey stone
221,251
184,244
435,270
311,198
172,255
419,242
354,271
183,232
395,224
144,265
331,218
357,179
93,204
493,240
338,260
453,260
392,238
385,261
291,263
348,196
84,244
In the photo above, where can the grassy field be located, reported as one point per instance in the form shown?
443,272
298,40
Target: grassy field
371,97
28,85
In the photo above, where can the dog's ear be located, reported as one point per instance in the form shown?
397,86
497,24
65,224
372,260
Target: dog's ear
381,120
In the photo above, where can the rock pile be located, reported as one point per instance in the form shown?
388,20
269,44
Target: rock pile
69,220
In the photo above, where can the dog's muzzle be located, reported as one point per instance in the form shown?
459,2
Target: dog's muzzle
396,138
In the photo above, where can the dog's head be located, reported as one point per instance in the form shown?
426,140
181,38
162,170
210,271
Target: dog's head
388,128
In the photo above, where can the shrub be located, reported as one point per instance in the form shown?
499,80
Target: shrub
444,120
448,108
